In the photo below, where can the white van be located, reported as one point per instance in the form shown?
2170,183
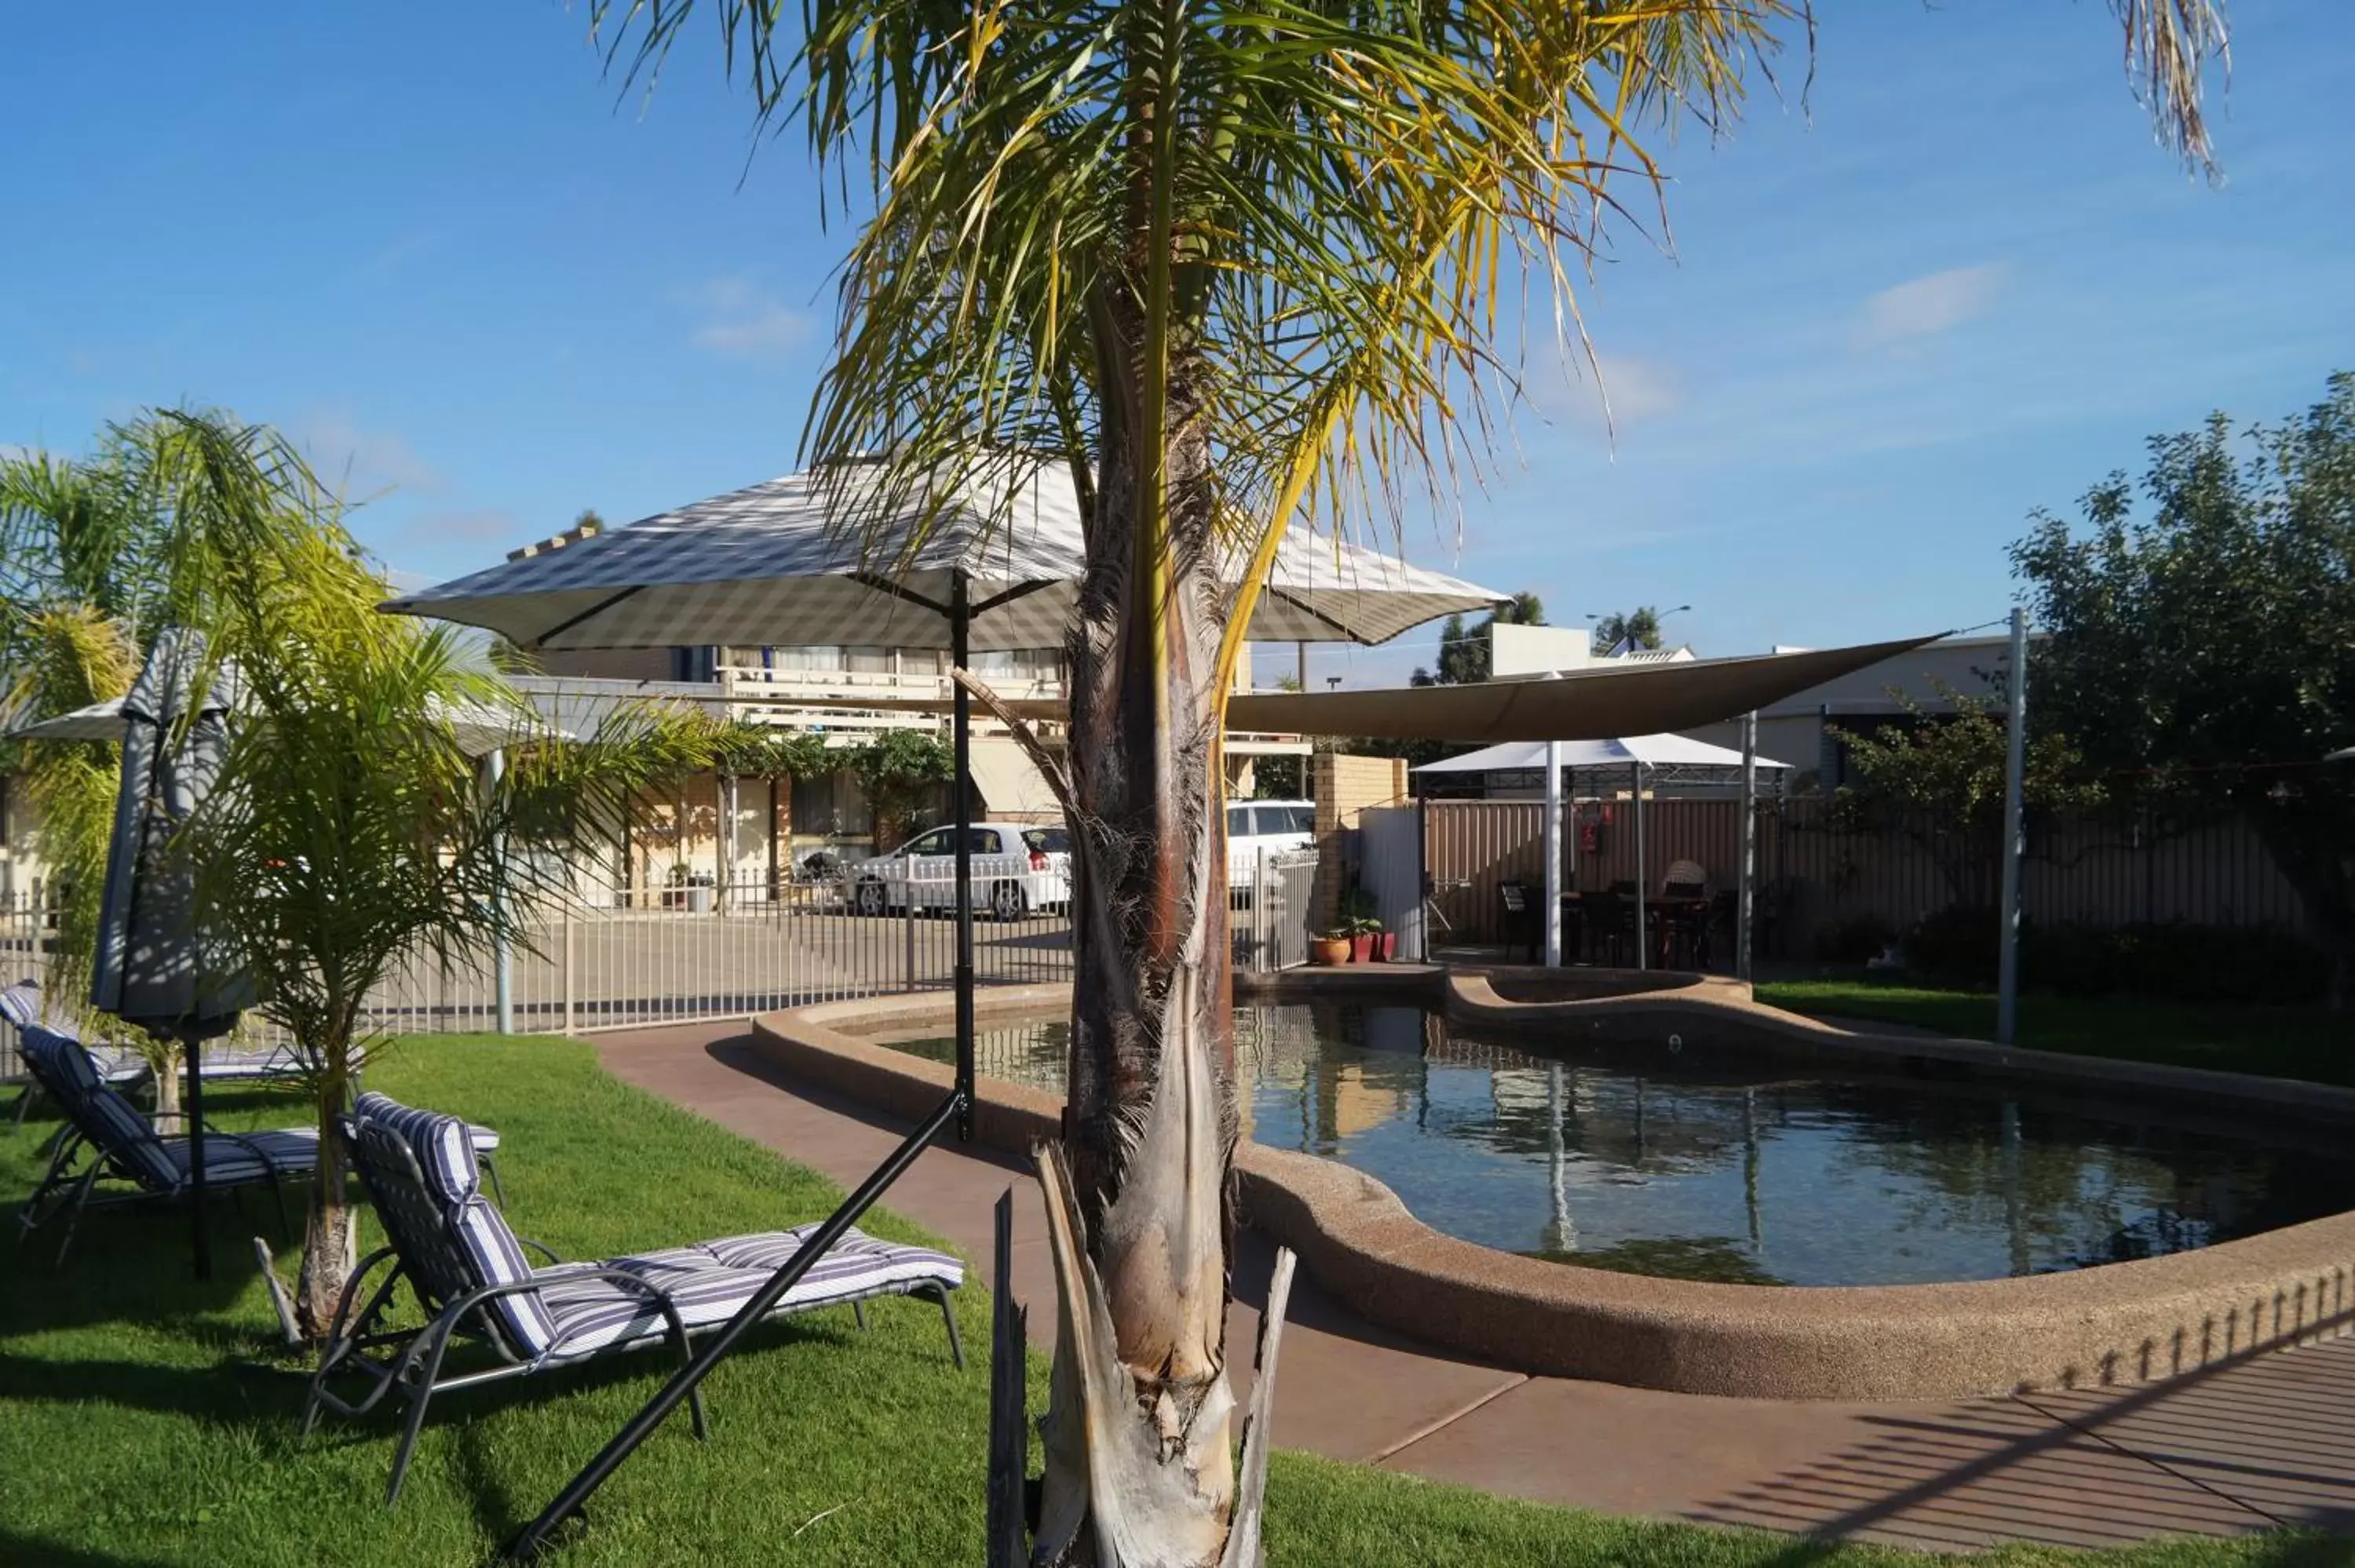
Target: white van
1269,826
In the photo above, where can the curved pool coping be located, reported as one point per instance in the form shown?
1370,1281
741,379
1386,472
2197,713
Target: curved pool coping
2122,1323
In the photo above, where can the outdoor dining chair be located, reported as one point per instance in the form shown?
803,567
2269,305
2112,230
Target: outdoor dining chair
127,1161
470,1277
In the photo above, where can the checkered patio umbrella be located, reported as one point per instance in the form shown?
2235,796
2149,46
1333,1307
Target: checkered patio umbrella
812,560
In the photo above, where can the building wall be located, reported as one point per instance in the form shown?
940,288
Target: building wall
20,869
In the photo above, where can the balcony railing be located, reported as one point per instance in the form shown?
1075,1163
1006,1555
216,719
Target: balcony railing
826,698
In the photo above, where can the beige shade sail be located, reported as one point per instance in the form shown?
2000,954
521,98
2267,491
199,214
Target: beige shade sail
1586,705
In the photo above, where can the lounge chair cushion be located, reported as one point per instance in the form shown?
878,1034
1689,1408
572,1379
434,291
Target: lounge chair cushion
445,1157
710,1281
293,1151
104,1117
21,1005
416,1126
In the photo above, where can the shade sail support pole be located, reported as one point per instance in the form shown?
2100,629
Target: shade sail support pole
526,1547
1643,957
961,720
2015,781
1553,854
1745,897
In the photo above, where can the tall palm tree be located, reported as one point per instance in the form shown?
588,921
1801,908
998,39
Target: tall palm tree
1239,268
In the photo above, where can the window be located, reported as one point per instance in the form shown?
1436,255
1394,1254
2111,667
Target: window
1238,822
1048,841
830,803
986,840
937,842
1287,818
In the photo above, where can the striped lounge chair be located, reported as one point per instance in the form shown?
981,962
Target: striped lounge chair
21,1005
113,1155
21,1008
470,1275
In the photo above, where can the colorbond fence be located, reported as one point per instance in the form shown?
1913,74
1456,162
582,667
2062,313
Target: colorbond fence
1814,868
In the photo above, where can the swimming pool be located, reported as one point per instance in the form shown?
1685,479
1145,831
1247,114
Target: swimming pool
1680,1159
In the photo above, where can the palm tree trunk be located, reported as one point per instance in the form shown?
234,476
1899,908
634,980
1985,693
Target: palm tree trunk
328,1226
1139,1460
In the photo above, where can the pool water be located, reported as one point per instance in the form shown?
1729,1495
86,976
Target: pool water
1673,1158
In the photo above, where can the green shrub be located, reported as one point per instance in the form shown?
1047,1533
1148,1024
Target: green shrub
1853,938
2169,961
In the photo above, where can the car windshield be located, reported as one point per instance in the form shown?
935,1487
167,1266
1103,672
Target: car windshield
1049,841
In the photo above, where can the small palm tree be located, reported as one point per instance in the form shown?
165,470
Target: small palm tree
351,828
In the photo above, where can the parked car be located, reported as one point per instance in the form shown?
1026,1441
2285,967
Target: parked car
1016,868
1255,827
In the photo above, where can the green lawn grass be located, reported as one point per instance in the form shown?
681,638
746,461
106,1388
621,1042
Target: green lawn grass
2273,1041
147,1420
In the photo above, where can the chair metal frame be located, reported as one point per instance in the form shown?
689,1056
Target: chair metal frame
425,1253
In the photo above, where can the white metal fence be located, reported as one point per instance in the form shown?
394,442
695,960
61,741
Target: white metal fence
627,957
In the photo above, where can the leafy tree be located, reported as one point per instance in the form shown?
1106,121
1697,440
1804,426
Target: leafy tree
900,772
1233,269
2201,648
589,517
1639,627
1940,780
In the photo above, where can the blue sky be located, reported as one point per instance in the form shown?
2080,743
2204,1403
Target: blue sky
489,288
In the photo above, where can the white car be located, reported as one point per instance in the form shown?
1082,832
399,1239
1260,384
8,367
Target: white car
1269,826
1016,867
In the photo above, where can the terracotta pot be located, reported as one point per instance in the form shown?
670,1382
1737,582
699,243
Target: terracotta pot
1325,951
1362,948
1385,946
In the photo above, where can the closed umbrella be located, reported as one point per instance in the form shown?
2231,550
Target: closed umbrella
151,968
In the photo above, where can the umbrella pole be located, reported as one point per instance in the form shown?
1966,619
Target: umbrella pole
1746,887
961,722
1551,838
195,1128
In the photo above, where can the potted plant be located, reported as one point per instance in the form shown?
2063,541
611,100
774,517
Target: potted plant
1362,927
675,894
1331,948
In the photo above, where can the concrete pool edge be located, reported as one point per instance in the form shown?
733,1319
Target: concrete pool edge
2123,1323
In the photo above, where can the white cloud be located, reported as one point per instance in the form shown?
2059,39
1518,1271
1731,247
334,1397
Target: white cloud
349,456
1612,394
1925,307
742,322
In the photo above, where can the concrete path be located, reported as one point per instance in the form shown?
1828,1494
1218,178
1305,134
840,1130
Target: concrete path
2266,1442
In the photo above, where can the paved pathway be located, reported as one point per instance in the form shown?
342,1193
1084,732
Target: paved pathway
2265,1441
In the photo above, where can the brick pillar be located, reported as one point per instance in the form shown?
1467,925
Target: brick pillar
1343,786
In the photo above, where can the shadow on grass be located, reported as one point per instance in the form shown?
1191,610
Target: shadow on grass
33,1549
